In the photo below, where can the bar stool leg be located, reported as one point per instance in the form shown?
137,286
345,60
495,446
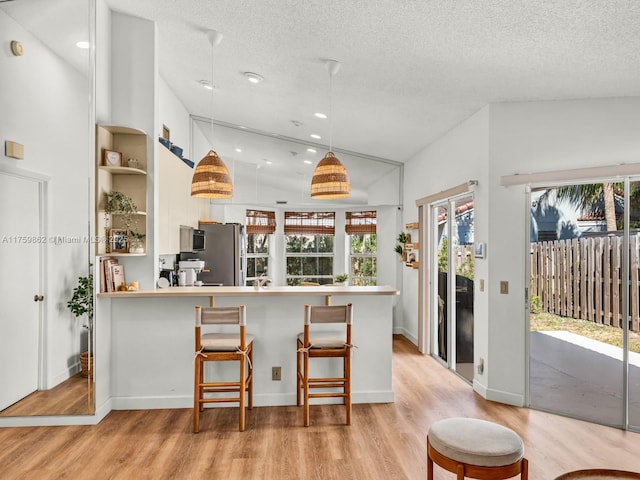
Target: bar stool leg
241,391
251,379
196,396
347,385
298,380
306,388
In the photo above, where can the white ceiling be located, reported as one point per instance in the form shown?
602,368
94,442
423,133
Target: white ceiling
411,69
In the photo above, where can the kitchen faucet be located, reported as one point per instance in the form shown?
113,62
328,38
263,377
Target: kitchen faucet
262,280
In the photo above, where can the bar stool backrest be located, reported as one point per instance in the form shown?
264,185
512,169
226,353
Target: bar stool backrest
221,315
328,314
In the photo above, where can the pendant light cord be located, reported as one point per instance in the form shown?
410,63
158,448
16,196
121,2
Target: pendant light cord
330,111
211,98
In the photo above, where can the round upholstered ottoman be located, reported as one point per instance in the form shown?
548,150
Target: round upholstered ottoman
598,474
475,449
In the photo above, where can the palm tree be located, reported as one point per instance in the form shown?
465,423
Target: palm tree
590,198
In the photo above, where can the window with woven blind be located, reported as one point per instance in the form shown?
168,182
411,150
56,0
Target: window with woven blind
309,223
360,222
260,221
309,246
260,224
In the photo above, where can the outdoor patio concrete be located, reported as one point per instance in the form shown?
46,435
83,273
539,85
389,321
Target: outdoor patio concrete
582,378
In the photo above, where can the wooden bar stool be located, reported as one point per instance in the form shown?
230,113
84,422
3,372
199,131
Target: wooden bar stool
222,347
475,448
324,345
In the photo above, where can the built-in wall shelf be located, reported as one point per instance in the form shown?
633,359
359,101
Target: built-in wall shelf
131,144
412,226
122,170
413,265
136,213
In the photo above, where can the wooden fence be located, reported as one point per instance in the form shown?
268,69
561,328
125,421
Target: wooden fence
583,279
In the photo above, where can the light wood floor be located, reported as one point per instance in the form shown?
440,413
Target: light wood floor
74,396
385,441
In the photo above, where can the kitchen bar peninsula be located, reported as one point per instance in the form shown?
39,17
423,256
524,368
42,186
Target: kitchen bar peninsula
152,342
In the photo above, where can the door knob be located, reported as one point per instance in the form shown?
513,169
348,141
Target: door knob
38,298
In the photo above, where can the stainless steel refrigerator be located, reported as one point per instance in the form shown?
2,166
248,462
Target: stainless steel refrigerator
223,255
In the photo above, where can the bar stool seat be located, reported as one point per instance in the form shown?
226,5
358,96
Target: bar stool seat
476,449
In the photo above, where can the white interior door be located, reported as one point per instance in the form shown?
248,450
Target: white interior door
20,256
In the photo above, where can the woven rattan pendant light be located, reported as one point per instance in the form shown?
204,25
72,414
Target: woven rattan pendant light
330,179
211,177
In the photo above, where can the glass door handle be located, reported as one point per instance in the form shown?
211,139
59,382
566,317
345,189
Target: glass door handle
38,298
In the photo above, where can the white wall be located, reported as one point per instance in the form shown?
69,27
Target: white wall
539,137
51,120
133,99
173,114
504,139
457,157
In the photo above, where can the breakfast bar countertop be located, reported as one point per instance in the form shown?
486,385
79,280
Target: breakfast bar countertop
206,291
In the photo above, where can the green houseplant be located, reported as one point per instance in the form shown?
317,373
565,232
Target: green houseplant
136,242
399,248
81,304
121,204
341,279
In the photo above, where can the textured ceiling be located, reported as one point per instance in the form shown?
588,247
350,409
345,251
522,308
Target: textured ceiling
411,69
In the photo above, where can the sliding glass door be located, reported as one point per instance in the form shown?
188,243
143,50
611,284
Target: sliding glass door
584,302
452,284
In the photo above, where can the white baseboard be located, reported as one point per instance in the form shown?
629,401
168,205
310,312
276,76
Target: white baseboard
268,400
406,333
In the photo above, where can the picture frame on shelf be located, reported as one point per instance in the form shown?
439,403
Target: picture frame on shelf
118,240
479,250
111,158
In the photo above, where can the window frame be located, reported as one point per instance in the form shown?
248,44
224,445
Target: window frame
353,279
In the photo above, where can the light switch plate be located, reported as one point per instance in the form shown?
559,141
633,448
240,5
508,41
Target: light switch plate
504,287
481,287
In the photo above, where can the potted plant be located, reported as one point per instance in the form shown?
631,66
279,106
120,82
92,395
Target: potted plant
399,248
81,304
136,242
121,204
341,279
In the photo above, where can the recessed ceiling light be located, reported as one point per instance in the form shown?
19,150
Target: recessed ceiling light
253,77
319,115
238,149
316,136
83,44
308,162
268,162
311,150
206,84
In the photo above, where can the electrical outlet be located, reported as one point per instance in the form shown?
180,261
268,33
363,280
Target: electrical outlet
276,374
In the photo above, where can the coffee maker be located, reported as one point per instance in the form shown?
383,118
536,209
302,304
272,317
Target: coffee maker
188,271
